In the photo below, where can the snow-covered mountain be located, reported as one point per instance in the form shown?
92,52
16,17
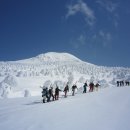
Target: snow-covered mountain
49,58
53,68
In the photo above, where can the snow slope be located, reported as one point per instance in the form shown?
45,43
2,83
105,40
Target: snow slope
18,77
107,109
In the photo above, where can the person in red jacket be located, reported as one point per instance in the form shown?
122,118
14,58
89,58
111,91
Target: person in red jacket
91,85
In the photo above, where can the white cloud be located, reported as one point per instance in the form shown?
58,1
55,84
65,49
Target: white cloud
81,40
108,36
108,5
116,20
81,7
105,37
101,33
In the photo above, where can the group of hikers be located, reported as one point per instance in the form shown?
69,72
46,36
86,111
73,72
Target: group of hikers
123,83
47,94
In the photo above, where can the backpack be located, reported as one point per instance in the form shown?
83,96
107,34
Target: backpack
44,92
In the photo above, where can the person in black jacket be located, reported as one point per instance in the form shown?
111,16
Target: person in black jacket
45,94
57,90
66,89
118,83
51,94
73,89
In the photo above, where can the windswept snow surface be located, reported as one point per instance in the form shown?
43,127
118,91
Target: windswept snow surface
106,109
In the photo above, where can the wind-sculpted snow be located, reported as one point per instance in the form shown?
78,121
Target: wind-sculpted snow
59,66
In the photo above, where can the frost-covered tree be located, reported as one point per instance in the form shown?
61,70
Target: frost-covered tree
59,83
27,93
47,83
5,89
82,79
70,79
10,80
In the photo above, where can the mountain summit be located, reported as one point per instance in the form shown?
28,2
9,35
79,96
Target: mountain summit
50,57
54,56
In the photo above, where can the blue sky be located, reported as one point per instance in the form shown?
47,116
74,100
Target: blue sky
96,31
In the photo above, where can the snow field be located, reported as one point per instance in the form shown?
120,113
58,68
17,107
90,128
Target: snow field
106,109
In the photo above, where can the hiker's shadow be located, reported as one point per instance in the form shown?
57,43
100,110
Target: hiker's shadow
34,103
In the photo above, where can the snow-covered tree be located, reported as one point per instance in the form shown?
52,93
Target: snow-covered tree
27,93
82,79
70,79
